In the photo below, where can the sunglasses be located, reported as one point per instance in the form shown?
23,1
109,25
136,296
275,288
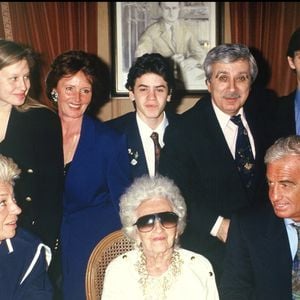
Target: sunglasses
167,219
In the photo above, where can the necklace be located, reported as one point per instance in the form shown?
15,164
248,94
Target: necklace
156,287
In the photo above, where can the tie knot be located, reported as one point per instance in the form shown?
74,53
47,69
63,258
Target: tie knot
237,120
154,136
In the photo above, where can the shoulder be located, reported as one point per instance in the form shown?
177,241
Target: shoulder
25,239
193,258
122,121
107,132
153,28
125,260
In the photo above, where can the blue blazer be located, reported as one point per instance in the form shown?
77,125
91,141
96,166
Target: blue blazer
258,263
128,125
14,285
97,177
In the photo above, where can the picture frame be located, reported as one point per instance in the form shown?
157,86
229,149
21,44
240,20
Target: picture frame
202,20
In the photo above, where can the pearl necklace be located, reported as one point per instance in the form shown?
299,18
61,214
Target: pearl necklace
157,287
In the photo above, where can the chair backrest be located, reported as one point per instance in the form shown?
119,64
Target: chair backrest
108,248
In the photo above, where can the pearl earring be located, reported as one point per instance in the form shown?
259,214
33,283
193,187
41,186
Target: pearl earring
54,95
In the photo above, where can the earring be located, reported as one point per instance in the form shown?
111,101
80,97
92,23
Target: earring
54,95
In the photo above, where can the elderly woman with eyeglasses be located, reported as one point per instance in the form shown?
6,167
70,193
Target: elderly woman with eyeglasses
153,214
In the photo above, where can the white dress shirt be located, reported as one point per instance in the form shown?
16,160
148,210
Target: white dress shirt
230,131
148,145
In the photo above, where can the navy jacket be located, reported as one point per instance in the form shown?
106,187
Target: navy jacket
23,271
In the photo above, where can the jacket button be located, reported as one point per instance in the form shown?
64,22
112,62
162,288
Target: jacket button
28,199
29,171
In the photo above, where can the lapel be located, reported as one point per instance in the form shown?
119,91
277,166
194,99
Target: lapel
135,147
166,37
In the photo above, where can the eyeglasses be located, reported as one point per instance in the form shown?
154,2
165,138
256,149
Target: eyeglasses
167,219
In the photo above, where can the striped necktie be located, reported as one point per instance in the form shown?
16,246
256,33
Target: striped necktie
157,148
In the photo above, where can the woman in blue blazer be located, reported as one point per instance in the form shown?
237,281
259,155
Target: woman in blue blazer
96,165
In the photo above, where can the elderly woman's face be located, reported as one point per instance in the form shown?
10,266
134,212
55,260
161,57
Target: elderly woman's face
159,239
9,211
74,95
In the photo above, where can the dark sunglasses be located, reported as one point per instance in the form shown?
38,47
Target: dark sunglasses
167,219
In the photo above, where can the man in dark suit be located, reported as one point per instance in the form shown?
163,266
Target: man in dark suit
287,108
200,152
262,242
150,83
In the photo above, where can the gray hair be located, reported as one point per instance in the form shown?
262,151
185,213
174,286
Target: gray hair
146,188
228,53
282,147
9,170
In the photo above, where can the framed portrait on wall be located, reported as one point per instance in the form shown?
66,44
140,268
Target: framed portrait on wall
183,31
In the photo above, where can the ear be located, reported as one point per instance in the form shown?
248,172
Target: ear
208,84
291,62
131,96
169,98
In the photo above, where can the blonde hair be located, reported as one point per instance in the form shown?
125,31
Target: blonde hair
9,171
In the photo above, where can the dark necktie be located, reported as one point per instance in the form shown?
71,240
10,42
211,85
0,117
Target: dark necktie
243,153
157,148
296,270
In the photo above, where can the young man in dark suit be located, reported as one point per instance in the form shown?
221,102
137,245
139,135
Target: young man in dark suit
150,83
200,152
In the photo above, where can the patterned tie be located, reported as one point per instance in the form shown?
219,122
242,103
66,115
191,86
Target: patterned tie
296,270
243,153
157,148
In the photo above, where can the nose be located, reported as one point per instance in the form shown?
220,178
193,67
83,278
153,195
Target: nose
152,94
24,84
232,85
14,208
274,192
157,226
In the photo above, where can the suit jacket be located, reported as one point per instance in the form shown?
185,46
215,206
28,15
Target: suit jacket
34,141
198,159
284,116
128,125
23,269
97,177
258,264
157,39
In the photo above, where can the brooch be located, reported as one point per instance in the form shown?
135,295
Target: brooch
133,156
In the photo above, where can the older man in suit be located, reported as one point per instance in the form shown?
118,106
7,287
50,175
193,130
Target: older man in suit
263,242
200,152
150,83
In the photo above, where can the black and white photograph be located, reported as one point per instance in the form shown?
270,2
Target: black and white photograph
183,31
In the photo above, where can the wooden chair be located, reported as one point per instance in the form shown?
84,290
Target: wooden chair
107,249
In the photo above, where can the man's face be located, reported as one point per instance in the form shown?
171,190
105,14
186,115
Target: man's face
294,63
230,85
150,94
170,11
283,177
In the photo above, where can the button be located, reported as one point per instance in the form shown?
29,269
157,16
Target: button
28,199
29,171
33,222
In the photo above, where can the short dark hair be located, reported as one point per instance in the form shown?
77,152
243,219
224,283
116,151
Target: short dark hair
294,43
151,63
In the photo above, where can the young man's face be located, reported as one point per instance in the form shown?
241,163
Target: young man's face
151,94
170,11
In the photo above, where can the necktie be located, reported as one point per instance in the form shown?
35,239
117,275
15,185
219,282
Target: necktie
243,153
296,270
157,148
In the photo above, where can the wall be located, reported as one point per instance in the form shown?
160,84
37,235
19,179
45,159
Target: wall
119,106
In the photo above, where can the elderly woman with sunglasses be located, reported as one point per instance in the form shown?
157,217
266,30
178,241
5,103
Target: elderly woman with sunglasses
153,214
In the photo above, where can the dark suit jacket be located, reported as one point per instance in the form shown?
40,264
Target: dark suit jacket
14,265
34,141
284,116
258,264
197,157
128,125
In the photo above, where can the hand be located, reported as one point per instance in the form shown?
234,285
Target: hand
223,230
